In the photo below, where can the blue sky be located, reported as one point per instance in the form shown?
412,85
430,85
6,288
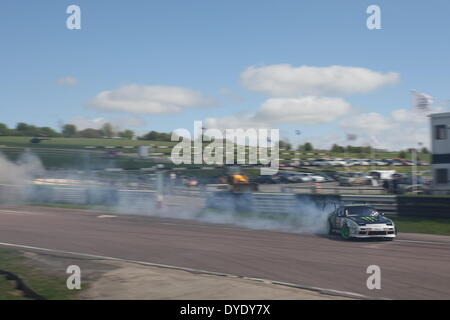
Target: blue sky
205,46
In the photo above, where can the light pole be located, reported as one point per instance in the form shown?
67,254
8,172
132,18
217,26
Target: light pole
414,169
414,158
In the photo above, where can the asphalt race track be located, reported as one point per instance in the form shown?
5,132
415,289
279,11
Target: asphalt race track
412,267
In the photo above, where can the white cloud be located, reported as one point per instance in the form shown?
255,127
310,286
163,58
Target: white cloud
149,99
274,111
67,82
403,129
284,80
231,95
97,123
305,110
236,121
414,115
371,123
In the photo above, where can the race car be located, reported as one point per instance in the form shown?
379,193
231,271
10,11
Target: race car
360,221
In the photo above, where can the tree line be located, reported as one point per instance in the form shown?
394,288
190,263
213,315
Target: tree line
23,129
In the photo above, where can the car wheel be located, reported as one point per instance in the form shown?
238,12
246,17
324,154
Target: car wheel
345,232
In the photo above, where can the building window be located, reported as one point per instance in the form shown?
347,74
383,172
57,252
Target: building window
442,176
440,132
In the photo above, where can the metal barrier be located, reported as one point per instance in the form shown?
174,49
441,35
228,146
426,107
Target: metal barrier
10,193
274,202
386,204
136,200
69,195
133,200
319,188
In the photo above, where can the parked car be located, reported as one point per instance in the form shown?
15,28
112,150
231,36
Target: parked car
338,162
295,177
317,177
266,179
354,178
381,174
364,162
321,163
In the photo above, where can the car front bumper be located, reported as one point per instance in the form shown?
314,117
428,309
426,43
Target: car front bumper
373,232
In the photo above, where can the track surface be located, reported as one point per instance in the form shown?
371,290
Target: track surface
412,267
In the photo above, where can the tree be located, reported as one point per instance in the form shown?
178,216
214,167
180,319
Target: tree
90,133
402,154
107,130
156,136
127,134
425,150
69,130
337,148
308,146
3,129
27,129
22,126
284,145
48,132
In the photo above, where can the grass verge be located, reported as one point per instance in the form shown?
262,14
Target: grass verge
49,286
68,206
422,225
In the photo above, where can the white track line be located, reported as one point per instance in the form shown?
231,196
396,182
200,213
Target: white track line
421,241
106,216
324,291
14,213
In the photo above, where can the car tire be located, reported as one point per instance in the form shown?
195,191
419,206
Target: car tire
345,232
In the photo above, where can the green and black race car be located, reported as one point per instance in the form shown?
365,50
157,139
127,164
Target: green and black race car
360,221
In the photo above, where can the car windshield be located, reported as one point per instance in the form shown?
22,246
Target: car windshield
361,211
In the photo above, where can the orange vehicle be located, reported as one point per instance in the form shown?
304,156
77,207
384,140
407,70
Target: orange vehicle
238,181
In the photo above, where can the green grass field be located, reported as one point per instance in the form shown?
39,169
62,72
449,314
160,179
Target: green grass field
76,143
422,225
41,282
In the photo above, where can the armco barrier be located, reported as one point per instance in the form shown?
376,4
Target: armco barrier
132,201
50,194
72,195
10,193
283,203
270,203
387,204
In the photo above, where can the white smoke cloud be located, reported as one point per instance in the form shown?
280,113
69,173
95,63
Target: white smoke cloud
21,171
15,176
305,216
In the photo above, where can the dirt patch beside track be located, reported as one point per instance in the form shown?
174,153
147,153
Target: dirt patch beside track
131,281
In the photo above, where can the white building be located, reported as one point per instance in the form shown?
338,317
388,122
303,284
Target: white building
440,130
